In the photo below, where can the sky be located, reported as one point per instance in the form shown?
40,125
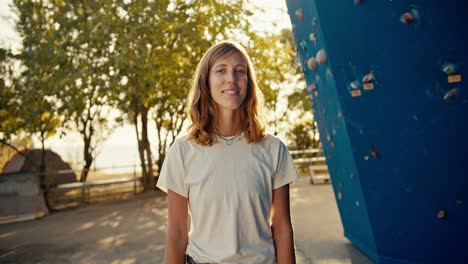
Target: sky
120,147
8,36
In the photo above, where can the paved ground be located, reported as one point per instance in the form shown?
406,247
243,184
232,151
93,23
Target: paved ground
317,227
133,231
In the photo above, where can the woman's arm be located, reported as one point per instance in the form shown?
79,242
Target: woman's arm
177,228
281,226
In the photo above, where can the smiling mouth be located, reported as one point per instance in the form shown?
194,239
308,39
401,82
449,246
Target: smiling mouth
231,92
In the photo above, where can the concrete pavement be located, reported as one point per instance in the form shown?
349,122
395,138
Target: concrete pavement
317,227
133,231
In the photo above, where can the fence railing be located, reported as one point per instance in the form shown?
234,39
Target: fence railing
123,185
109,188
306,157
75,194
312,162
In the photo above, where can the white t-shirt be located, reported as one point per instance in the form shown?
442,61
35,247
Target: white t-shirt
229,190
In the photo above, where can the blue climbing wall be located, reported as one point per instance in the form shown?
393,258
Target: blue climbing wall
386,81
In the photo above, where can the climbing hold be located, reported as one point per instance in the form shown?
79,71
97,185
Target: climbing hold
312,64
354,85
299,14
356,2
459,202
352,176
370,77
450,95
366,157
357,203
441,214
449,68
303,45
313,38
313,89
340,196
374,153
409,17
354,88
321,57
368,81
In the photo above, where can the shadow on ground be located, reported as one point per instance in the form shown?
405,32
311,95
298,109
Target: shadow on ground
133,231
130,231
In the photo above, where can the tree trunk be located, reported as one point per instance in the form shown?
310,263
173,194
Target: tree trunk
42,172
87,133
149,183
176,123
87,154
140,148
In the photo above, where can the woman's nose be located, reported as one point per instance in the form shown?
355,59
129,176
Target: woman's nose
230,76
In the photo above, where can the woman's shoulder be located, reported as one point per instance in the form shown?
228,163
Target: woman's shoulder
180,140
178,143
272,140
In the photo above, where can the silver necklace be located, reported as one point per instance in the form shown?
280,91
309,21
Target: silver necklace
230,140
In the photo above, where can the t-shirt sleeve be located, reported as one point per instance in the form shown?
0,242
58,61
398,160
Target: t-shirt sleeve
286,171
172,172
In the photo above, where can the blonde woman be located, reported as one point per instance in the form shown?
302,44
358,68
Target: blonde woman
230,175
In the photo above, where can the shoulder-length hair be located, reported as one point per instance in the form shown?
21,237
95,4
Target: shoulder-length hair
202,108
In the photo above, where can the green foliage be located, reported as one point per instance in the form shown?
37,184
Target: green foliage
66,77
281,80
302,135
9,118
36,87
273,57
82,58
156,48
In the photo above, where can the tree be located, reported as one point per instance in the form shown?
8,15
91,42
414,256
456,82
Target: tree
302,135
66,62
12,139
9,118
35,86
280,78
157,46
86,32
83,58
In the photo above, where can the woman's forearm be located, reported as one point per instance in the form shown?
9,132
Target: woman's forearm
176,246
177,228
284,245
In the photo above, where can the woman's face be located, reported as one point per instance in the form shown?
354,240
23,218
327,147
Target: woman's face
228,82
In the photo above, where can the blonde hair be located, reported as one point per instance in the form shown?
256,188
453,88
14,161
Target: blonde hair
202,108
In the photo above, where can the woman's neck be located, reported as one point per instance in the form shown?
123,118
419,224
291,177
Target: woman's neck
228,123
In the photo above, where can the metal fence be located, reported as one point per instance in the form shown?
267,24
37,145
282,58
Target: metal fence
313,163
122,186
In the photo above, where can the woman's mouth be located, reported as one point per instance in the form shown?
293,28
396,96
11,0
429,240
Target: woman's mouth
231,91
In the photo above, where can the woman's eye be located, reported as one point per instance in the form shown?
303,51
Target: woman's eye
241,71
220,71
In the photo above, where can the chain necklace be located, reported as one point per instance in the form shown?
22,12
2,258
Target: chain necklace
230,140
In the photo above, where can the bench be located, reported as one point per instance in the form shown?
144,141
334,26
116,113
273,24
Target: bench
319,171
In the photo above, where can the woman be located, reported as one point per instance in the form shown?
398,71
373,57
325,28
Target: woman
231,176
